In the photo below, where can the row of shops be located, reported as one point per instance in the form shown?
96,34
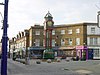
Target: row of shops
83,52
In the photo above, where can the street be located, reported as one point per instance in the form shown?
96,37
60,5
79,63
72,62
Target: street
16,68
90,67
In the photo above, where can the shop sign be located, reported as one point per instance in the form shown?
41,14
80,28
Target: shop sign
81,47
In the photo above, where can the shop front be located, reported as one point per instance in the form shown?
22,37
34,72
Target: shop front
95,52
67,51
82,52
36,52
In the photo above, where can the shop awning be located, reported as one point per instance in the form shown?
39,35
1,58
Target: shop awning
66,48
36,48
55,48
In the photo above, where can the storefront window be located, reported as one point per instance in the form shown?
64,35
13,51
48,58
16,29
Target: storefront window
96,53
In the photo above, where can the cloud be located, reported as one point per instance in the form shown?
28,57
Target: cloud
25,13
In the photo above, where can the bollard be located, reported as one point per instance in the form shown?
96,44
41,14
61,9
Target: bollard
49,61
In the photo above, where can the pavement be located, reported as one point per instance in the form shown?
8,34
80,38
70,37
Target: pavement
88,67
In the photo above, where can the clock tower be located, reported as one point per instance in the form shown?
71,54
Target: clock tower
48,27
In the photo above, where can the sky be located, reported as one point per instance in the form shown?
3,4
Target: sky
22,14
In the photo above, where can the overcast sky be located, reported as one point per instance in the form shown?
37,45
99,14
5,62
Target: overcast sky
25,13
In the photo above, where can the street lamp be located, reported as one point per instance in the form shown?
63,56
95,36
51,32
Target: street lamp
98,18
4,40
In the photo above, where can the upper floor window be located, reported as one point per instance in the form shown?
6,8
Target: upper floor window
92,30
70,41
53,32
78,30
53,42
77,41
37,32
62,31
70,31
37,42
95,41
62,42
43,42
91,41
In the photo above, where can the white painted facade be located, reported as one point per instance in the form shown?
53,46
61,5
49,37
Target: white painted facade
93,39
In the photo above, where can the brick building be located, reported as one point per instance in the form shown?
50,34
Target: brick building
68,40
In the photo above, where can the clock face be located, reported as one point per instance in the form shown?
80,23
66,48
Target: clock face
49,23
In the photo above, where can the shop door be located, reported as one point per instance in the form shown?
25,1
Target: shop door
90,54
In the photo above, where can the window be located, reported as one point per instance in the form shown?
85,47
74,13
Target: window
62,31
78,30
77,41
53,42
37,32
43,42
92,30
37,42
70,31
96,53
62,42
70,41
91,41
95,41
53,32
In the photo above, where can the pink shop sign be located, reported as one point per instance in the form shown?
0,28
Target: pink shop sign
79,47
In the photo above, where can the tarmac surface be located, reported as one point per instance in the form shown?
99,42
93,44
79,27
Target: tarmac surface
88,67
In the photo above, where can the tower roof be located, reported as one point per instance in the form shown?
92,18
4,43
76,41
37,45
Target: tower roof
48,15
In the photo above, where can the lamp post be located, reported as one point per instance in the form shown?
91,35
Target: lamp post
98,19
2,19
4,40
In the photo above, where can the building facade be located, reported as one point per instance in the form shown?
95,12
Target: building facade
20,44
93,40
68,40
65,38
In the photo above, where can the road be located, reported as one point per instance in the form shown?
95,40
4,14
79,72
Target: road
55,68
16,68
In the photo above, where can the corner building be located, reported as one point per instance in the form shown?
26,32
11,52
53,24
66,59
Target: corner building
65,39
